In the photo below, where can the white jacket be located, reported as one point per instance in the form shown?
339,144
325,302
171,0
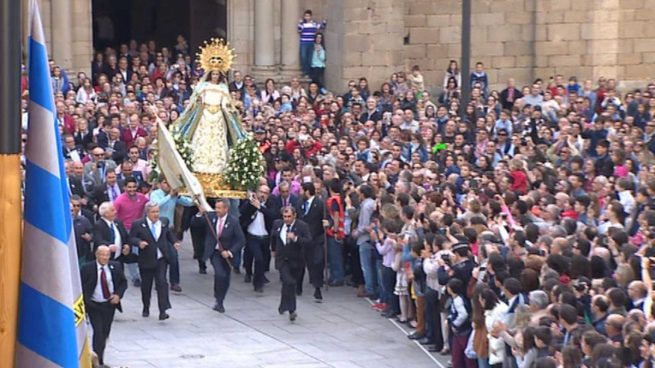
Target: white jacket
496,345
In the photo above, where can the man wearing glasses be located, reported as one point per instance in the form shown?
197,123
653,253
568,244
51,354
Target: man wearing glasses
99,165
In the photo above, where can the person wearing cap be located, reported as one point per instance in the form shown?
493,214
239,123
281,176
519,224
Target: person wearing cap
460,266
260,137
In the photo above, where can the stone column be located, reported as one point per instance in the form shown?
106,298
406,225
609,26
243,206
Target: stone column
82,52
290,37
264,34
62,33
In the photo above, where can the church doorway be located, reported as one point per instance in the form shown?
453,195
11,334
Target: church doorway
119,21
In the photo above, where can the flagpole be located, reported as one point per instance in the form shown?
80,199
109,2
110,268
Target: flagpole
10,176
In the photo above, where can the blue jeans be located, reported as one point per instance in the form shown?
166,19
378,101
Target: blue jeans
133,270
368,267
254,252
483,363
380,278
388,284
306,53
335,259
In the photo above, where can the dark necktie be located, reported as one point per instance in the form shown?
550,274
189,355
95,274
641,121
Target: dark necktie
103,283
306,207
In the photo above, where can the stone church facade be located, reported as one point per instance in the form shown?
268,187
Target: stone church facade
525,39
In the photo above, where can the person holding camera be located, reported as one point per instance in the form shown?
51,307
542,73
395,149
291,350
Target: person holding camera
257,215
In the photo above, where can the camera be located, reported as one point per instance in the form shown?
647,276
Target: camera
446,258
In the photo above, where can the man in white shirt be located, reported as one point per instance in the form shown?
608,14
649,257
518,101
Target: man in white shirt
257,215
155,239
103,286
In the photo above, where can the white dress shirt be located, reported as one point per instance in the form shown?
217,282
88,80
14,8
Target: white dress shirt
97,292
283,232
117,238
156,235
258,226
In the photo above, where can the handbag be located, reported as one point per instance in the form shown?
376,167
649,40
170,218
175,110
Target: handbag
469,351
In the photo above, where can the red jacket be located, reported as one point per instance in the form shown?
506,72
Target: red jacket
129,138
520,183
69,124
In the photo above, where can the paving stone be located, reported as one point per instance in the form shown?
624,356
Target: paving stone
341,332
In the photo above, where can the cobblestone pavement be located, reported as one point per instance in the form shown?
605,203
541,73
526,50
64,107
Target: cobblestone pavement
341,332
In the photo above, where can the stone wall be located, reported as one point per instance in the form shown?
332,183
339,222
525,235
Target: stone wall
79,52
525,39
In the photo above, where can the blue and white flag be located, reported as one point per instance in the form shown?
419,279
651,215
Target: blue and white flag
51,322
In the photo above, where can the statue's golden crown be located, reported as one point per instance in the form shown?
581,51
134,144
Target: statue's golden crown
216,55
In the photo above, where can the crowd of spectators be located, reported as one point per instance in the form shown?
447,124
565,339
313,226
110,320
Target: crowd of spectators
516,234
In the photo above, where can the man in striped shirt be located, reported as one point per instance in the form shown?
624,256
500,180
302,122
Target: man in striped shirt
308,29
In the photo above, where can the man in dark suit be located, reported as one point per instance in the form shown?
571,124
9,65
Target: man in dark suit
284,199
198,230
510,94
223,240
109,190
257,215
118,150
155,240
103,286
127,171
238,84
83,231
110,232
288,239
312,212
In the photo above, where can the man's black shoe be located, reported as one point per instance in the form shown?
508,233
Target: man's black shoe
293,316
433,349
415,336
247,279
202,271
219,308
259,290
318,297
163,316
425,341
280,310
266,280
237,270
145,313
137,283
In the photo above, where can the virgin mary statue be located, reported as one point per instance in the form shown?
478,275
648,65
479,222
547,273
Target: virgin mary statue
211,126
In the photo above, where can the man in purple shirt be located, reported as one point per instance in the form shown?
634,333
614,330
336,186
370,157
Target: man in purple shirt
130,207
